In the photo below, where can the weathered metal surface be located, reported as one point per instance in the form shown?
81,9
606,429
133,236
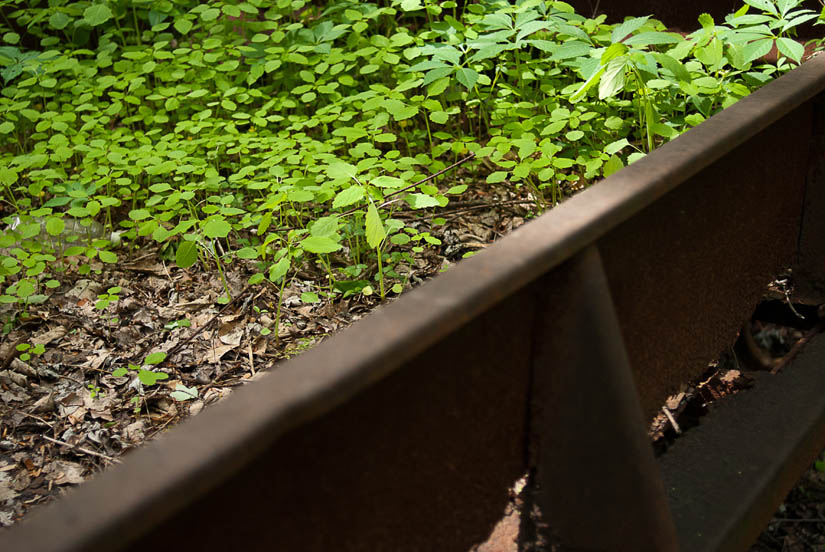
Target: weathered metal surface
598,484
727,476
810,266
688,270
253,448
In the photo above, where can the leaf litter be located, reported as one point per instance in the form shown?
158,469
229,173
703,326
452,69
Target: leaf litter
81,404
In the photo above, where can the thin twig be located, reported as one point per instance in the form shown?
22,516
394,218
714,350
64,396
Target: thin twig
670,417
82,449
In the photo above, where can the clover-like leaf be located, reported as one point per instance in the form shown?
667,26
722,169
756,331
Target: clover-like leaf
97,14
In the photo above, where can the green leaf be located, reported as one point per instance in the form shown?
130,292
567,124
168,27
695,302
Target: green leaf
149,378
348,197
621,31
496,177
6,127
97,14
279,269
107,256
183,25
155,358
320,244
309,297
374,227
790,48
210,14
24,288
247,253
59,20
7,176
439,117
215,227
467,77
187,254
341,170
617,146
612,165
55,226
757,49
387,182
183,393
325,226
139,214
399,110
120,372
613,79
422,201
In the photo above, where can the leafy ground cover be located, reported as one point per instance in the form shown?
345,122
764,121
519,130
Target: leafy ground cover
183,180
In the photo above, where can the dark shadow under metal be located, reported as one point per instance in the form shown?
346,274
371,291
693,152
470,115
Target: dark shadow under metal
727,476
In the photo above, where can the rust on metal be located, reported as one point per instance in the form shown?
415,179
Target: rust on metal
455,417
726,477
599,487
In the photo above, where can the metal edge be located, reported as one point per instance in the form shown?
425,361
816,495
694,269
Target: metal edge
219,441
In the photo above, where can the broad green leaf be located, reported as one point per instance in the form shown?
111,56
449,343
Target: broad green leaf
210,14
279,269
621,31
55,226
612,165
387,182
59,20
466,77
348,197
247,253
183,25
790,48
187,254
496,177
149,378
341,170
120,372
7,176
139,214
155,358
215,227
616,147
374,227
613,79
325,226
25,288
440,117
422,201
757,49
107,256
6,127
97,14
320,244
309,297
399,110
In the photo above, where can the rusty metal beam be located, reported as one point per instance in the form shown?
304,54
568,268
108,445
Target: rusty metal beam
727,476
599,485
162,479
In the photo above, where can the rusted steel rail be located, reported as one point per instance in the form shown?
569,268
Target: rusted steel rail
546,353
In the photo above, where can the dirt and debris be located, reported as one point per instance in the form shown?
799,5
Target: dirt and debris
77,391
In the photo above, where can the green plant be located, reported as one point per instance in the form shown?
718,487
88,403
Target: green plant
322,136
